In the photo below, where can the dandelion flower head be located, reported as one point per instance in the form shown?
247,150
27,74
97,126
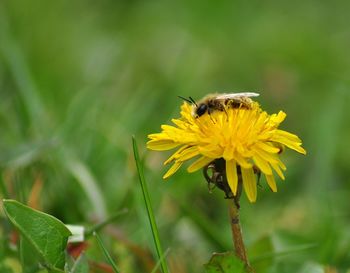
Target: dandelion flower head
246,138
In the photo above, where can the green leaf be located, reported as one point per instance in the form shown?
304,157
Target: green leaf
29,257
46,234
81,265
226,262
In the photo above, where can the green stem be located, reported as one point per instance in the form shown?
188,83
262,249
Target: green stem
151,217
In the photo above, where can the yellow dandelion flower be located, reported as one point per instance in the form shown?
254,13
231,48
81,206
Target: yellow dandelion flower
245,138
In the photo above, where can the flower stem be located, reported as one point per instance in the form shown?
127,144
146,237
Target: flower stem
237,232
215,173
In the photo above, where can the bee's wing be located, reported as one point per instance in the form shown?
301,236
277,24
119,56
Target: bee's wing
236,95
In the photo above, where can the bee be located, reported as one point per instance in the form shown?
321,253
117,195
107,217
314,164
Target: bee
218,102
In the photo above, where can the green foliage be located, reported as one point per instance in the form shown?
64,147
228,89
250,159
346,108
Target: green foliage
106,253
148,205
78,78
261,254
44,234
30,258
5,269
224,263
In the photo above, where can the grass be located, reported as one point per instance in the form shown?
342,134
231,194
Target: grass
106,253
149,208
77,80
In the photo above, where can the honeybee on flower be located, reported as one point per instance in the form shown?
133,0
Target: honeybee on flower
231,129
219,102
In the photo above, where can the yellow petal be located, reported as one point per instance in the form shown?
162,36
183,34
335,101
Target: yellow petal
279,117
287,135
209,151
300,150
231,173
175,155
290,140
242,161
188,153
262,164
179,123
296,146
199,163
269,157
228,153
281,165
278,170
249,183
267,147
161,145
271,182
169,128
172,169
156,136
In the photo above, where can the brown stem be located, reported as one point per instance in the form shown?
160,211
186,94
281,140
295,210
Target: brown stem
236,227
237,232
218,178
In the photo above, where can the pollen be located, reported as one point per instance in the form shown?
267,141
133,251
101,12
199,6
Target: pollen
247,139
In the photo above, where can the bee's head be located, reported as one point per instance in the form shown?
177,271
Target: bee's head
201,109
197,110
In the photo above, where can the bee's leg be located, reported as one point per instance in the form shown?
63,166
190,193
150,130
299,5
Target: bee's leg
224,109
209,113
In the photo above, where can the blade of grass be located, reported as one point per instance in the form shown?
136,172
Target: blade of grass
160,261
147,199
86,179
106,253
104,223
15,59
282,253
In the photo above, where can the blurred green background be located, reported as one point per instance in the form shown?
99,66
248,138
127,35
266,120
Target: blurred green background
79,78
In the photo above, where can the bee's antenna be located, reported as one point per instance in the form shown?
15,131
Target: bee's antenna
185,99
193,101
